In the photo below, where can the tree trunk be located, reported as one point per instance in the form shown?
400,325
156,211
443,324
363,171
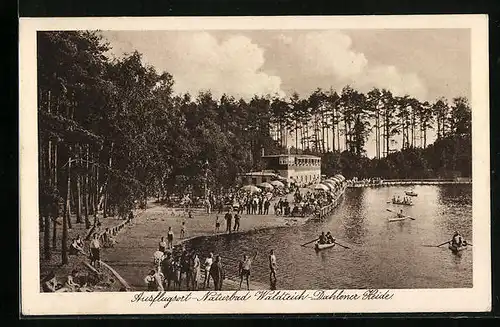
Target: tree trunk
333,130
78,201
106,189
46,236
67,212
296,136
387,136
425,138
96,190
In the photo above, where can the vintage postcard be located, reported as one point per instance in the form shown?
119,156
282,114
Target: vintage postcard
254,165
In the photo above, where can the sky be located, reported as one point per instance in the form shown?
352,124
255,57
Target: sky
423,63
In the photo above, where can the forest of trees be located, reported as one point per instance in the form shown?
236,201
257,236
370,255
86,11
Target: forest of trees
112,132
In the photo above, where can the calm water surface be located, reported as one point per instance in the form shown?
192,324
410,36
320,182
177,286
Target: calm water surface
382,254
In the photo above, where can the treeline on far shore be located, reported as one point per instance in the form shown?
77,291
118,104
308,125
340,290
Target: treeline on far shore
448,157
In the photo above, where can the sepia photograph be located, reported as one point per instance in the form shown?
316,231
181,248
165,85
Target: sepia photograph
244,163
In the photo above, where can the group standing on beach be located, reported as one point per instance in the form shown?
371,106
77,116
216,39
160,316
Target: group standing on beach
173,269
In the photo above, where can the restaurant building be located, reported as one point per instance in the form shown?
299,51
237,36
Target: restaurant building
296,169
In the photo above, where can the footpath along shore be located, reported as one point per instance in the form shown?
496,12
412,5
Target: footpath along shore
132,256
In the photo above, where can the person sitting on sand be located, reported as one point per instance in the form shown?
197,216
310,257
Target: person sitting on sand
70,281
74,248
50,284
151,281
79,241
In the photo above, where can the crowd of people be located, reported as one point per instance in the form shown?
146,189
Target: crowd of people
176,270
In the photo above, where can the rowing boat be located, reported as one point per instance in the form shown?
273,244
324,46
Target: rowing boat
319,247
397,219
411,193
402,203
399,216
456,249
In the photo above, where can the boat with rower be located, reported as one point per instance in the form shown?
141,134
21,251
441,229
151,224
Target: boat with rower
319,247
402,203
455,248
411,193
399,216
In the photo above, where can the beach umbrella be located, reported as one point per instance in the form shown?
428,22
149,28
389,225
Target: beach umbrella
340,177
337,179
251,189
266,186
321,187
277,184
331,185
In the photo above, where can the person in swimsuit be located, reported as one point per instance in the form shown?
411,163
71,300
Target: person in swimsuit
272,266
236,222
217,224
183,229
170,238
95,251
208,264
244,269
195,271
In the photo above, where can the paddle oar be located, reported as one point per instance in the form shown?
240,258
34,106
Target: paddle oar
342,245
310,242
443,243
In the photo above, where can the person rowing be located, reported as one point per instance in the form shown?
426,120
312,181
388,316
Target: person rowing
457,240
329,238
400,214
322,238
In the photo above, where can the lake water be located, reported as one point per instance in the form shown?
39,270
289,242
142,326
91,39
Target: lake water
382,254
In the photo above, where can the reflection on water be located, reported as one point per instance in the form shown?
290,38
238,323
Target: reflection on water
381,254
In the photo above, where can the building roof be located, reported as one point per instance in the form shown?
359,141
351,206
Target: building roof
259,173
291,155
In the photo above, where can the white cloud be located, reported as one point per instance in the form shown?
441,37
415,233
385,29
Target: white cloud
327,59
198,62
390,78
238,66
